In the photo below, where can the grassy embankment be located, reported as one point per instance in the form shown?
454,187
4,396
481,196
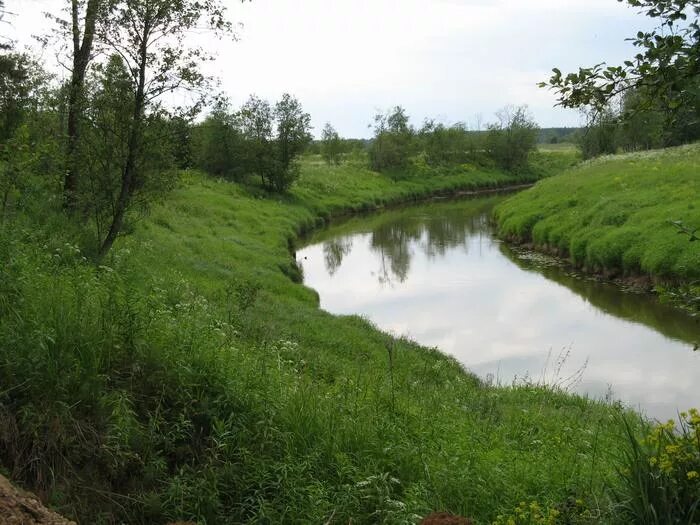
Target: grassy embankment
613,216
190,377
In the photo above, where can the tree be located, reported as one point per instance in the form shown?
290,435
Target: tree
20,77
151,37
511,139
219,143
257,124
293,136
666,70
601,135
331,145
393,141
82,40
20,81
446,145
104,148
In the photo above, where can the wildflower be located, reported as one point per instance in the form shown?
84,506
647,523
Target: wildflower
693,474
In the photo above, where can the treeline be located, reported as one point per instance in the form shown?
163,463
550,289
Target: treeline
397,144
637,120
558,135
258,139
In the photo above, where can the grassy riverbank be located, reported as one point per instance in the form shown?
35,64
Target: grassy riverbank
613,216
191,377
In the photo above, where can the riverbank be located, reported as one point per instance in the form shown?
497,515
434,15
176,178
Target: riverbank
614,217
191,377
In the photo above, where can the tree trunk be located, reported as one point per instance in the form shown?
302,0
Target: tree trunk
81,60
133,147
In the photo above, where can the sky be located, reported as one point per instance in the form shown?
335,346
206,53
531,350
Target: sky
452,60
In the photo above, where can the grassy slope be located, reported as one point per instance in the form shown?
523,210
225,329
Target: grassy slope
612,215
181,392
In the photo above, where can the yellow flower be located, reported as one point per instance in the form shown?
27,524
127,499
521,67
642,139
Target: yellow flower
693,474
672,449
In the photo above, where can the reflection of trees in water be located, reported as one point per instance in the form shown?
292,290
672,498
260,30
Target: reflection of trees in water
334,251
392,241
639,308
434,235
432,229
444,233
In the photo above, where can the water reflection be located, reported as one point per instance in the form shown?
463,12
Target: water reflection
636,307
432,228
435,273
334,251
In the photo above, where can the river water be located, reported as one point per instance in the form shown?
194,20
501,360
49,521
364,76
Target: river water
436,273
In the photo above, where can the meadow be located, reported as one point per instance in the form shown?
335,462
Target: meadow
629,216
191,376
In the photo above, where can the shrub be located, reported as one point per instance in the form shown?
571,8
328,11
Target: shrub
660,474
511,140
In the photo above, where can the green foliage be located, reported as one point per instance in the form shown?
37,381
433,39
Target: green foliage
511,140
105,135
445,145
20,78
601,135
293,126
612,215
219,146
572,511
331,145
257,140
661,473
188,378
393,143
660,83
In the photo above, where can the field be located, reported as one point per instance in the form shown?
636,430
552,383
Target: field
615,215
191,377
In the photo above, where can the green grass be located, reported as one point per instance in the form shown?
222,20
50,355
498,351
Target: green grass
190,377
613,215
562,147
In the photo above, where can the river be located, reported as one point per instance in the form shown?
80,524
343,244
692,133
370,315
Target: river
437,274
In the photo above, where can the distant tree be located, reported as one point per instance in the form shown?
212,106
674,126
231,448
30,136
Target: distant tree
20,77
180,134
219,146
293,136
21,97
601,134
393,142
511,140
257,125
331,145
446,145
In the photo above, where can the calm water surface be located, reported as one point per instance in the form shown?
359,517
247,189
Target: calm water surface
437,274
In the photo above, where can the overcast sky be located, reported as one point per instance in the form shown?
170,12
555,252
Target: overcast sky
448,59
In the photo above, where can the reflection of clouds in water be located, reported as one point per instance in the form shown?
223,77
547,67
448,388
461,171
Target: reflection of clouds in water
454,288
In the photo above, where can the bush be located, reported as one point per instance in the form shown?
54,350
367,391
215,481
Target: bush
660,474
511,140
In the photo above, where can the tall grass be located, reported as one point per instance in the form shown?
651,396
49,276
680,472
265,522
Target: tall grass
190,378
661,473
615,215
